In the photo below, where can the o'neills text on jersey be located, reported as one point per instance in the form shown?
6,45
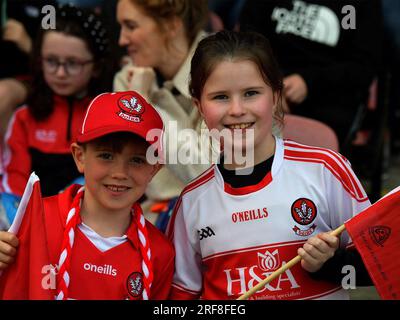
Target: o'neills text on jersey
105,269
248,215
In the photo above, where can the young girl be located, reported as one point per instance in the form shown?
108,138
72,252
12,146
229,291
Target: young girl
233,226
96,235
69,69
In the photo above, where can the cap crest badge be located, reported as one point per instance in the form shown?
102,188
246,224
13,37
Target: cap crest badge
130,108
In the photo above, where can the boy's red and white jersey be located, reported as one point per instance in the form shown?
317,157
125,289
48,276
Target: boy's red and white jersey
227,240
112,274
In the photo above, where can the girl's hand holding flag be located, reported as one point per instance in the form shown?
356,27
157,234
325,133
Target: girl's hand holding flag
376,234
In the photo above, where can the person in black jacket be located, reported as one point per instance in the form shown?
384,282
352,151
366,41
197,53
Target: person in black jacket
329,52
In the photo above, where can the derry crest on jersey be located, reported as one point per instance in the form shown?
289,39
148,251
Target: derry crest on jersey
134,284
304,212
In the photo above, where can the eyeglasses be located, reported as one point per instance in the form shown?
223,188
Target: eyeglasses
71,67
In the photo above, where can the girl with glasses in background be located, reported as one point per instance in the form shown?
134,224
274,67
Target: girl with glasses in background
68,70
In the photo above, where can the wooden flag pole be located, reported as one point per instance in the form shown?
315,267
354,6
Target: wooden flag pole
282,269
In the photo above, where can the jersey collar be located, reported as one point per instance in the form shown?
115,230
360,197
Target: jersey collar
65,200
276,165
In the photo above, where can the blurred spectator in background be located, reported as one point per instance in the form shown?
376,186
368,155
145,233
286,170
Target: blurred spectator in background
70,66
20,21
160,37
391,22
329,52
228,11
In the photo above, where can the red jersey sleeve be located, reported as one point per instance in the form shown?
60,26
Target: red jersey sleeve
163,258
162,281
16,157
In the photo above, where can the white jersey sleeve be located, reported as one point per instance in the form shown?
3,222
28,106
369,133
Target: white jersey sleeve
187,281
346,197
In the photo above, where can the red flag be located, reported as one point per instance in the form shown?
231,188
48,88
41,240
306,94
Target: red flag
24,278
376,235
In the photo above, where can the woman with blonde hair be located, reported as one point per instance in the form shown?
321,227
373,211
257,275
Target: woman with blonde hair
160,37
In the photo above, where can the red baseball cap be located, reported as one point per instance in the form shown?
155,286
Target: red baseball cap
124,111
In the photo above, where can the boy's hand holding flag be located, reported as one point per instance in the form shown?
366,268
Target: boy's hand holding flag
23,279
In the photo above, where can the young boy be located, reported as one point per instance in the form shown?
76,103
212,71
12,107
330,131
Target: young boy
96,234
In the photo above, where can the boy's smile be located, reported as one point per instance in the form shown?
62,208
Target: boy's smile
117,189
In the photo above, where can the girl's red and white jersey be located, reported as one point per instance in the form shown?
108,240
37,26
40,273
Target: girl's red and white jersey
227,240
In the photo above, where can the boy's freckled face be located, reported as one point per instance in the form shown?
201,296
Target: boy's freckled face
116,180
